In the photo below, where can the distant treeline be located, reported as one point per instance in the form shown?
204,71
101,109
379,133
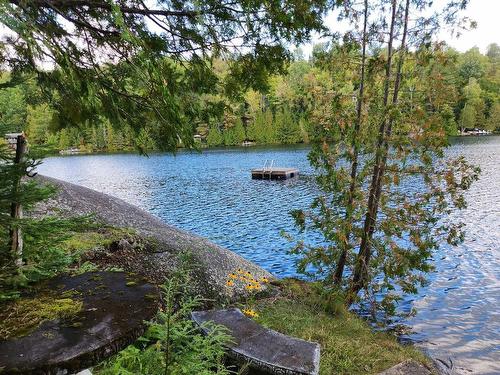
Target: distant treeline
280,115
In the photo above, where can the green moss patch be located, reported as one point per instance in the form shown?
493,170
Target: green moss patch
348,344
102,249
22,316
89,240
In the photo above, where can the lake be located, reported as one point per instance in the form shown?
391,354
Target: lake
212,194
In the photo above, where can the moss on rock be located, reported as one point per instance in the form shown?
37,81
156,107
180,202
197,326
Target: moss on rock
22,316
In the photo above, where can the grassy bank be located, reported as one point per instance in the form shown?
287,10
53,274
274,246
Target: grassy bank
348,344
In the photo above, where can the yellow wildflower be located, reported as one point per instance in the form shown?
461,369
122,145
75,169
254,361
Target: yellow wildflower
230,283
264,280
232,276
250,313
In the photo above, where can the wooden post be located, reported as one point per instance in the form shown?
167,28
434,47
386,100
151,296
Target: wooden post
16,210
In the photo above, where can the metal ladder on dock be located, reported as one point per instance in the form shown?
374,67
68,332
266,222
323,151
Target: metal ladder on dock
268,167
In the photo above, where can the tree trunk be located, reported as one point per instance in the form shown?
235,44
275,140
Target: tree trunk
361,270
395,97
339,271
16,210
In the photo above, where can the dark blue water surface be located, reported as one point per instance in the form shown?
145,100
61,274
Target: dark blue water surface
212,194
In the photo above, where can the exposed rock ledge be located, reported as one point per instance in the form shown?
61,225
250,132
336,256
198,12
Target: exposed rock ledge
214,262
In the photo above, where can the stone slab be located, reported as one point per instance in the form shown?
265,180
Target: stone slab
409,367
266,350
115,306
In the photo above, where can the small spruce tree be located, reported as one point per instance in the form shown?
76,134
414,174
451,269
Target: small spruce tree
29,246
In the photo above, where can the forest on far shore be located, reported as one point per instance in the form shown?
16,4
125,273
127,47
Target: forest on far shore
282,113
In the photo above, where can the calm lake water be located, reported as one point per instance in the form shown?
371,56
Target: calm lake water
212,194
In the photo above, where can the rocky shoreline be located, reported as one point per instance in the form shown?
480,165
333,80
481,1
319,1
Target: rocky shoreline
213,263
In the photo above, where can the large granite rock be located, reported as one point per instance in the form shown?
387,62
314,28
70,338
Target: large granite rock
266,351
115,306
214,263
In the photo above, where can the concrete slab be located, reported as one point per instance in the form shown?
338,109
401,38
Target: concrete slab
266,350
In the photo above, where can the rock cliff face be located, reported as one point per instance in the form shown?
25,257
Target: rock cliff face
212,263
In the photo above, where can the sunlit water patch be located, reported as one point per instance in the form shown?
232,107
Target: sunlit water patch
212,194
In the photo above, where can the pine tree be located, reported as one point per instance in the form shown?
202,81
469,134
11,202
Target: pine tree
261,129
472,115
287,128
493,122
214,137
234,135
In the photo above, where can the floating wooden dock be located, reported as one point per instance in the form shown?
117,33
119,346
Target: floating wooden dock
270,172
274,173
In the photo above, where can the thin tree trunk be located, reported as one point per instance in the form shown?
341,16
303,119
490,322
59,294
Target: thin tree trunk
395,97
364,254
16,210
339,271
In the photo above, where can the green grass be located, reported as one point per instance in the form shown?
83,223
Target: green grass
348,344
